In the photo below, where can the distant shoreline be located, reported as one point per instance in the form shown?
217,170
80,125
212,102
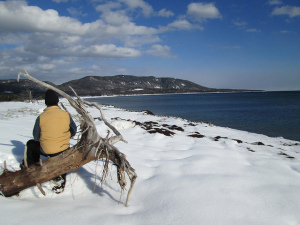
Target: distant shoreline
132,95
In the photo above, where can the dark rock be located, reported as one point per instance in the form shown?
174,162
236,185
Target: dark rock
258,143
238,141
219,137
196,135
147,112
286,155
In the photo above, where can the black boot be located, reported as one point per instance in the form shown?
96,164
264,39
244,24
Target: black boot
61,181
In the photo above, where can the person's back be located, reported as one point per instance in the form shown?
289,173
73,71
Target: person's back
54,130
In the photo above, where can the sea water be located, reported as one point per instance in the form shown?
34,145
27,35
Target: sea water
276,114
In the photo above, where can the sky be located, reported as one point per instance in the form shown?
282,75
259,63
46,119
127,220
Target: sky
218,44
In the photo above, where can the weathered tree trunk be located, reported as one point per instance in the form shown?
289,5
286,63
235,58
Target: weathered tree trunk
90,147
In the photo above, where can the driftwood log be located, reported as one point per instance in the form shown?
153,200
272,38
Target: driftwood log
90,147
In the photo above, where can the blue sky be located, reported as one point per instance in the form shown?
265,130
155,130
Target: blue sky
219,44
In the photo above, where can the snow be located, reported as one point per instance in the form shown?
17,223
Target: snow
236,178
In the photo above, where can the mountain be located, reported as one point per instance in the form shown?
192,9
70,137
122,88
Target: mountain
110,85
127,84
14,90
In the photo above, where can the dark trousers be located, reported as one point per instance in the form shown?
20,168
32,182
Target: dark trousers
34,152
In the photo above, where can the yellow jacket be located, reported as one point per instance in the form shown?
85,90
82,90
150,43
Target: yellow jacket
54,128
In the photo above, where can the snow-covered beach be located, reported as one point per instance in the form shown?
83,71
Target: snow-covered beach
188,173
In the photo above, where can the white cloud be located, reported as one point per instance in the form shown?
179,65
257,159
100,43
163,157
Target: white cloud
12,38
139,4
138,41
108,6
23,18
115,18
182,24
275,2
160,50
59,1
109,50
201,11
51,45
165,13
286,32
76,12
239,23
291,11
243,25
130,29
254,30
47,66
18,16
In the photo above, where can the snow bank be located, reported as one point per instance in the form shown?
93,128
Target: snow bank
188,173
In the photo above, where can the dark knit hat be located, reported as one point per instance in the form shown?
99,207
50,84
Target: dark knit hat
51,98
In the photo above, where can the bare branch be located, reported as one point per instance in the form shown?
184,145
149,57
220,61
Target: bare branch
90,147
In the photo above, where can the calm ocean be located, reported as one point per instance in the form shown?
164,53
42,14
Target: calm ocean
276,114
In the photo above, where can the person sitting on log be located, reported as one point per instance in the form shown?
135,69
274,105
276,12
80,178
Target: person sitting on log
52,132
